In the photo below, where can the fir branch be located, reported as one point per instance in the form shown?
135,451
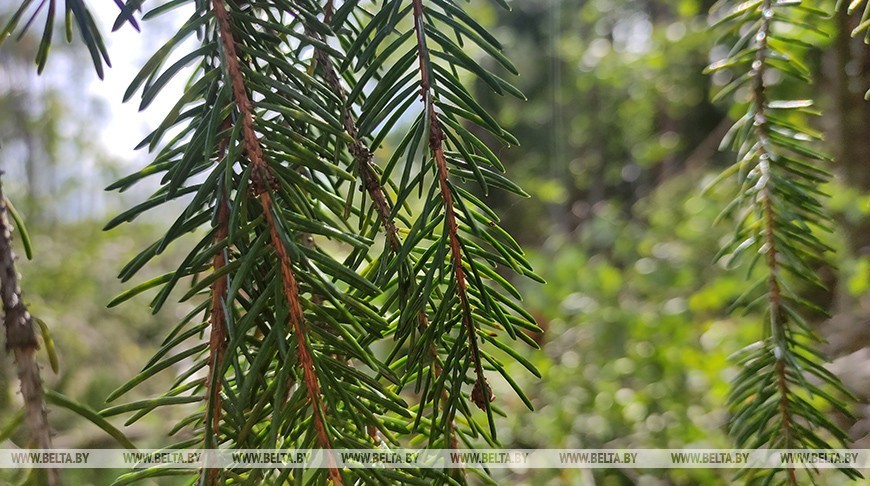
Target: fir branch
21,341
450,269
260,175
218,324
363,159
777,319
217,339
481,394
778,198
358,149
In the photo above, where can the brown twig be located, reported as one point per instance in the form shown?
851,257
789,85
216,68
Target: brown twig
21,341
261,174
481,394
218,337
360,152
363,158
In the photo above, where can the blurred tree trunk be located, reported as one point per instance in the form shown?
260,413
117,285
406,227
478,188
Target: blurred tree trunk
846,332
853,79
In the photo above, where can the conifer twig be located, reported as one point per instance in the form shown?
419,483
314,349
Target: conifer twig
777,319
363,158
217,336
481,394
21,341
260,177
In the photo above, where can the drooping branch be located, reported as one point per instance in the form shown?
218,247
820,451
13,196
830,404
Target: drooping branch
218,337
260,177
779,209
774,293
358,149
481,394
21,341
363,159
218,326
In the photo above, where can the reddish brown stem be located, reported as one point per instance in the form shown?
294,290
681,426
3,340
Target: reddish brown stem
360,152
218,337
481,394
363,158
260,174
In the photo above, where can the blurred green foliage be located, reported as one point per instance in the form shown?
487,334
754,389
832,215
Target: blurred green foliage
636,345
638,336
67,285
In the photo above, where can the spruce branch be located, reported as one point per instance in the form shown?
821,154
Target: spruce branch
446,266
261,173
778,210
481,394
778,321
358,149
21,341
295,122
217,324
362,156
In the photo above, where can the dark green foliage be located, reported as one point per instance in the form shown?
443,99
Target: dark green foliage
324,87
74,11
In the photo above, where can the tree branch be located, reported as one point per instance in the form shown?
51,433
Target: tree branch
481,394
218,337
358,149
21,341
260,175
363,158
777,319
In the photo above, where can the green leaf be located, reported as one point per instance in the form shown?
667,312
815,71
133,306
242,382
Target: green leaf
148,403
48,342
142,287
86,412
160,56
12,425
22,229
